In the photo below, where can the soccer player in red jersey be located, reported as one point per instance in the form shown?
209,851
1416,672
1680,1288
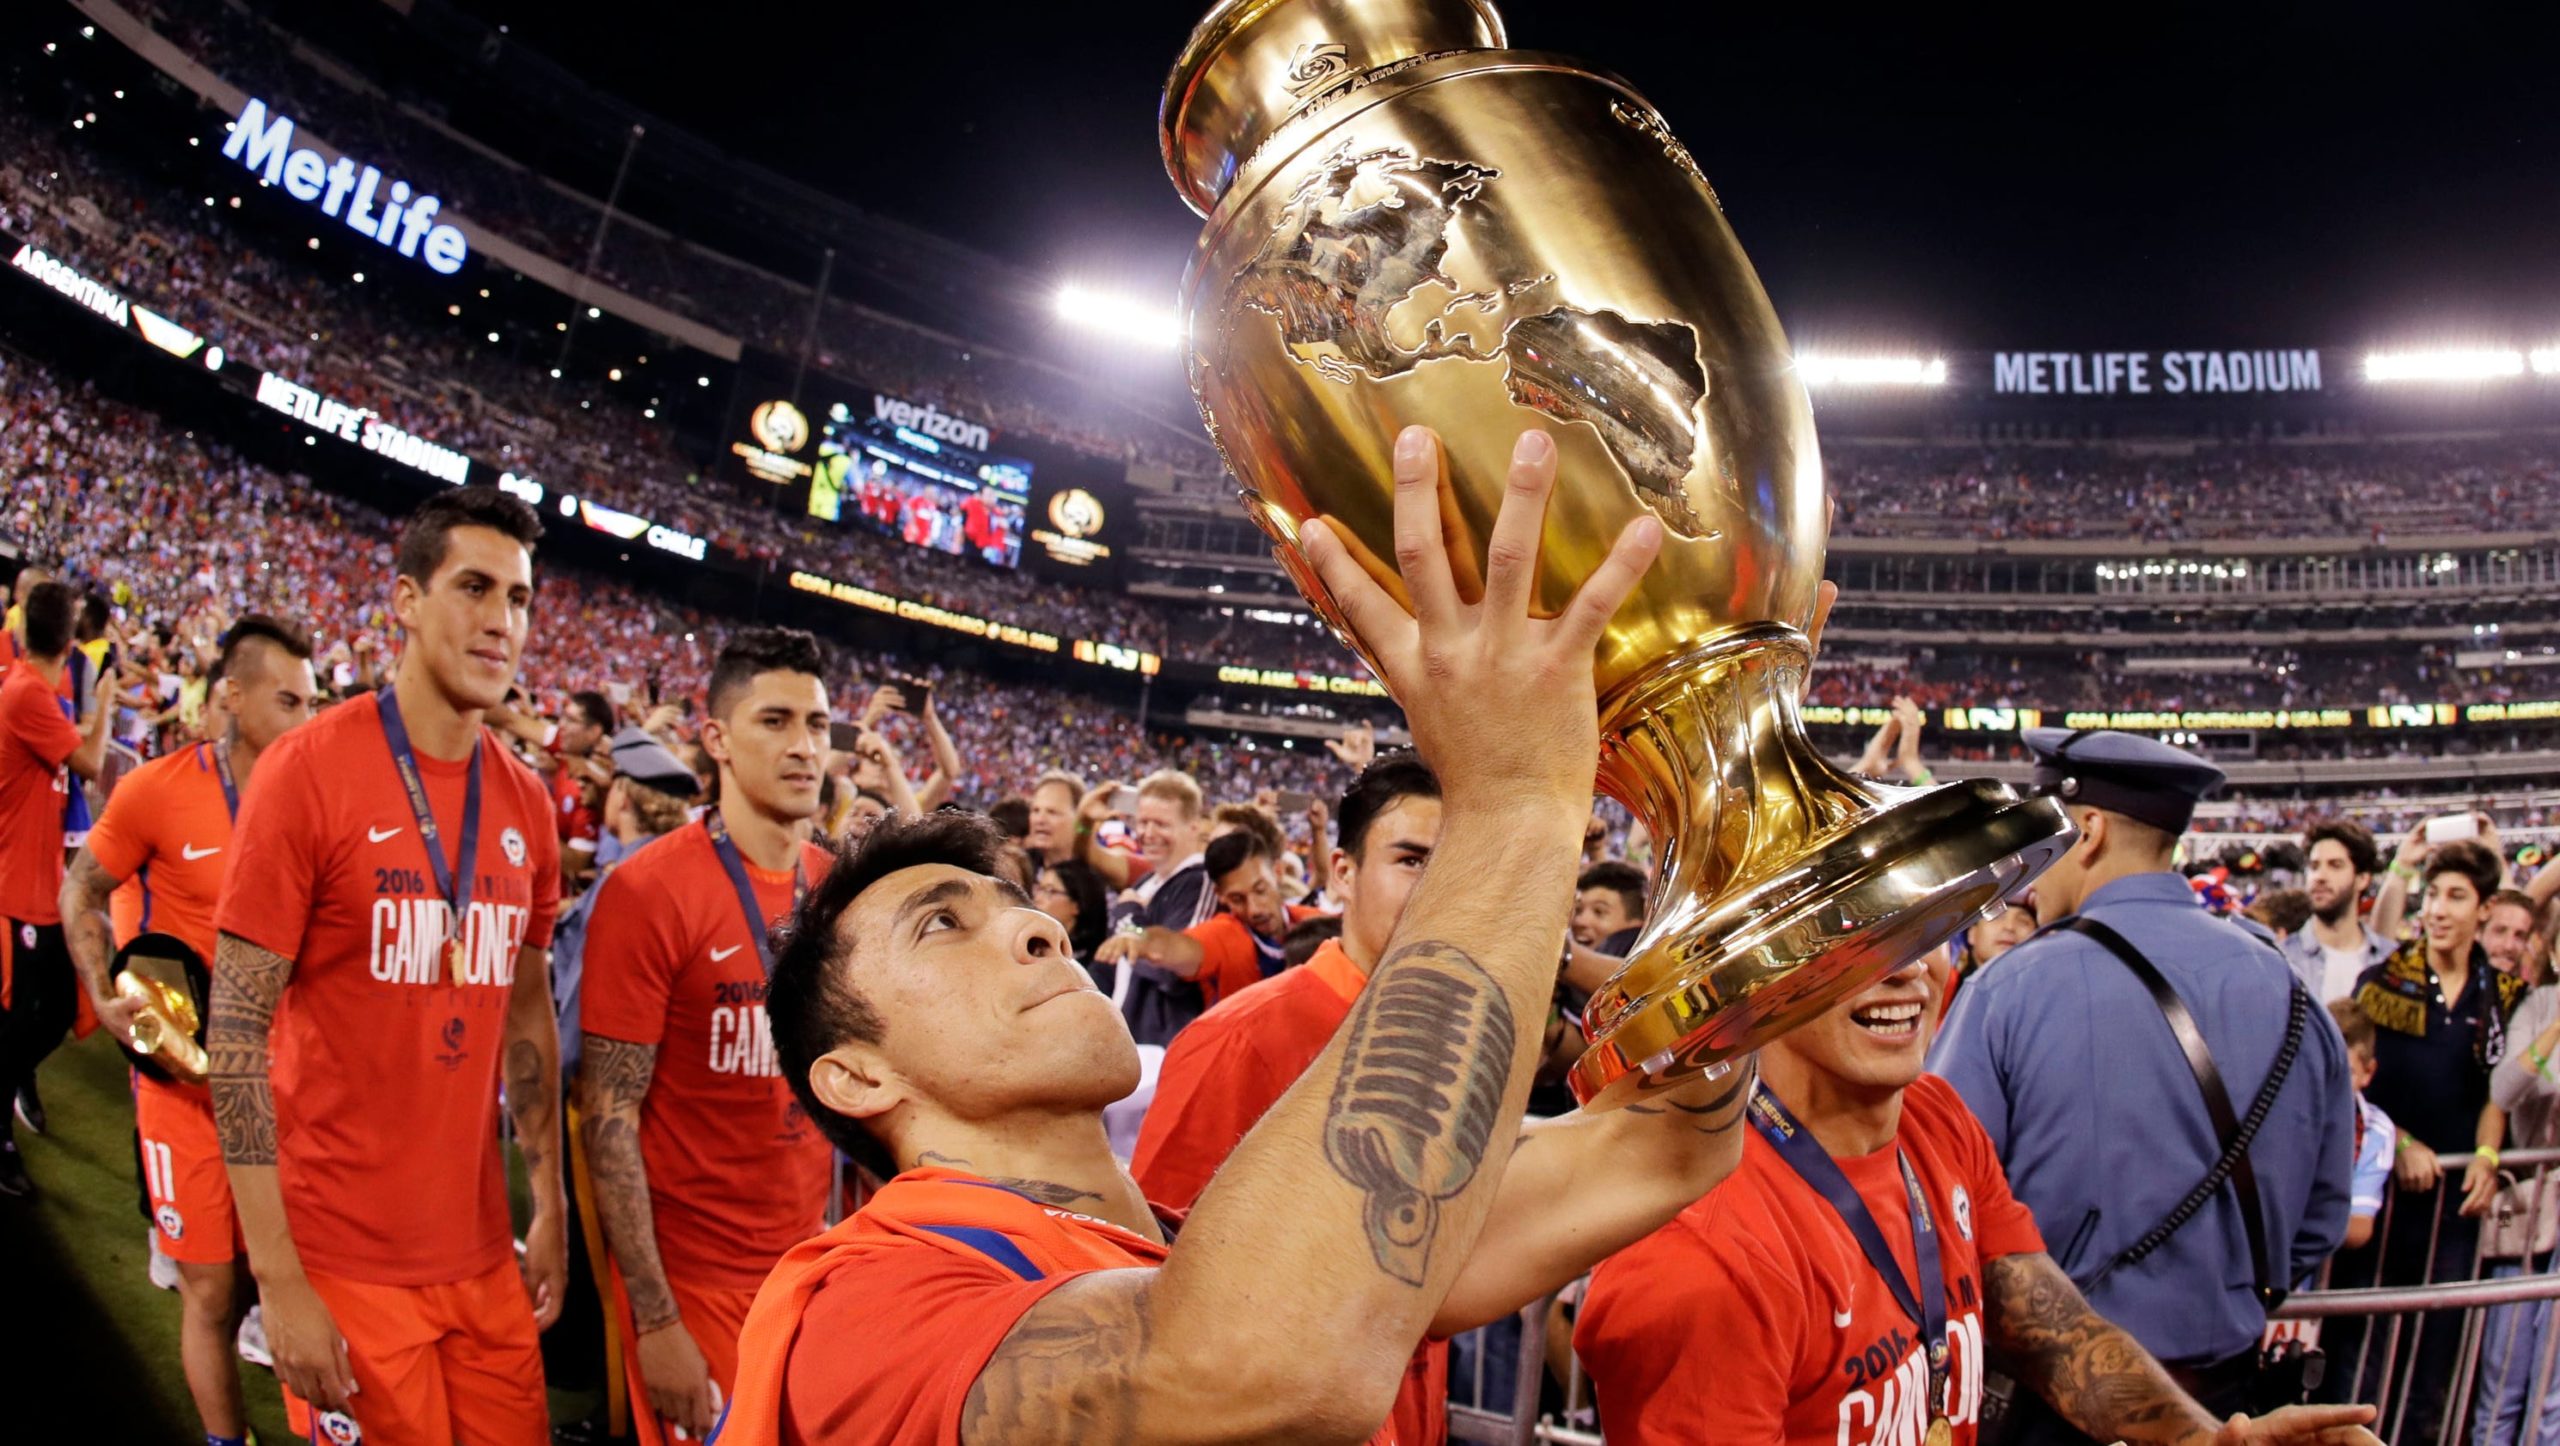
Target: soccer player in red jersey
40,753
1013,1284
1849,1282
393,881
168,828
705,1168
1232,949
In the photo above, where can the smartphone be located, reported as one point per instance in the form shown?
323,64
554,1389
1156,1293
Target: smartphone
2452,826
1294,804
842,736
914,695
1124,800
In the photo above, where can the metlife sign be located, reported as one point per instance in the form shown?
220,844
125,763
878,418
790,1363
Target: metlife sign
362,426
2142,373
262,142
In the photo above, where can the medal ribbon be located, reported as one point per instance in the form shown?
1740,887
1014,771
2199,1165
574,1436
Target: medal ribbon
736,868
453,881
1804,1154
222,769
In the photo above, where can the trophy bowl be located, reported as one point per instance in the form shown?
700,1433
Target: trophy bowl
167,978
1409,222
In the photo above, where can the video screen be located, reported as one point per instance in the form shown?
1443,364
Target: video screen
873,473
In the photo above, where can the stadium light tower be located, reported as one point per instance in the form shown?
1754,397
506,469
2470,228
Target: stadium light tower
1118,316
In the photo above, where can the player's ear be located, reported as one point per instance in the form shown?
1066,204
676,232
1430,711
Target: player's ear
406,595
1342,869
855,1081
715,740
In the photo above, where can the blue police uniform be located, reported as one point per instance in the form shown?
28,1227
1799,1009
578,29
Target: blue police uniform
2061,1051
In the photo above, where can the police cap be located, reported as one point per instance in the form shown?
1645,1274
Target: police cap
2141,778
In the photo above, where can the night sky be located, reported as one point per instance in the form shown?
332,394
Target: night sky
1905,176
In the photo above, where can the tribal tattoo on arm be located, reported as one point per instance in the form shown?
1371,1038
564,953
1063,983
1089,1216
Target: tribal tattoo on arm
1068,1371
613,1079
530,1067
84,921
1424,1066
2099,1378
247,984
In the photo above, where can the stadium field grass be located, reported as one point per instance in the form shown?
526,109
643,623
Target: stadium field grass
97,1352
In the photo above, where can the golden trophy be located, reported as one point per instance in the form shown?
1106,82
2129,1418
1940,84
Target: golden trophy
1408,222
165,976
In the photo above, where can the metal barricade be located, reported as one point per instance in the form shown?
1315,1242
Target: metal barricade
1518,1383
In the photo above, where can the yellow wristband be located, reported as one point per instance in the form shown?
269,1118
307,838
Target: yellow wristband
2488,1153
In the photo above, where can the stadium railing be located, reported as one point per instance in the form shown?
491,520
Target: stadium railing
1517,1381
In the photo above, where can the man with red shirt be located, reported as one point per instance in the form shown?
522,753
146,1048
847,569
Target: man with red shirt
1850,1281
1011,1283
393,881
168,828
1236,947
705,1169
40,752
579,757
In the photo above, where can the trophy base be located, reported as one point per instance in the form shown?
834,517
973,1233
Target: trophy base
1775,954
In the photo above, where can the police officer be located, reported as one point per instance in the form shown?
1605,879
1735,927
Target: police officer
2065,1052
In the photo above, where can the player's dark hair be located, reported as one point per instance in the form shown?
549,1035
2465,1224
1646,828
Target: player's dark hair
811,1003
1387,779
752,651
1306,936
1012,816
2471,859
1246,817
597,707
1230,851
1620,877
258,630
2347,834
48,613
426,537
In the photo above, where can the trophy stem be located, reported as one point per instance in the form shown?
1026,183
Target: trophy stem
1783,883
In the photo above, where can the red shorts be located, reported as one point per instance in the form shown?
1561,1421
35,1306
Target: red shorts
182,1172
435,1364
714,1317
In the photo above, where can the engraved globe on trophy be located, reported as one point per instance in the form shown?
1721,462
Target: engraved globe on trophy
1408,222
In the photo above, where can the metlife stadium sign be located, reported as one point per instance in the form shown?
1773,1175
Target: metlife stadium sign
2142,373
262,141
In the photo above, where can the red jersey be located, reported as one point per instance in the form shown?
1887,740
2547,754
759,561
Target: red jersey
35,741
385,1072
167,833
1232,957
577,822
875,1331
737,1173
1754,1316
1219,1075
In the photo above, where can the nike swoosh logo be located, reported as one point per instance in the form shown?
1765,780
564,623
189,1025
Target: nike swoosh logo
377,835
191,853
719,954
1840,1319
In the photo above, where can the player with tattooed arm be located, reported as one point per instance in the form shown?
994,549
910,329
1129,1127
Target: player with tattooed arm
167,828
1850,1283
705,1168
1012,1284
383,933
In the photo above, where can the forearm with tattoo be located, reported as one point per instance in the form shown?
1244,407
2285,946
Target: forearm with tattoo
247,983
613,1080
2099,1378
85,929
